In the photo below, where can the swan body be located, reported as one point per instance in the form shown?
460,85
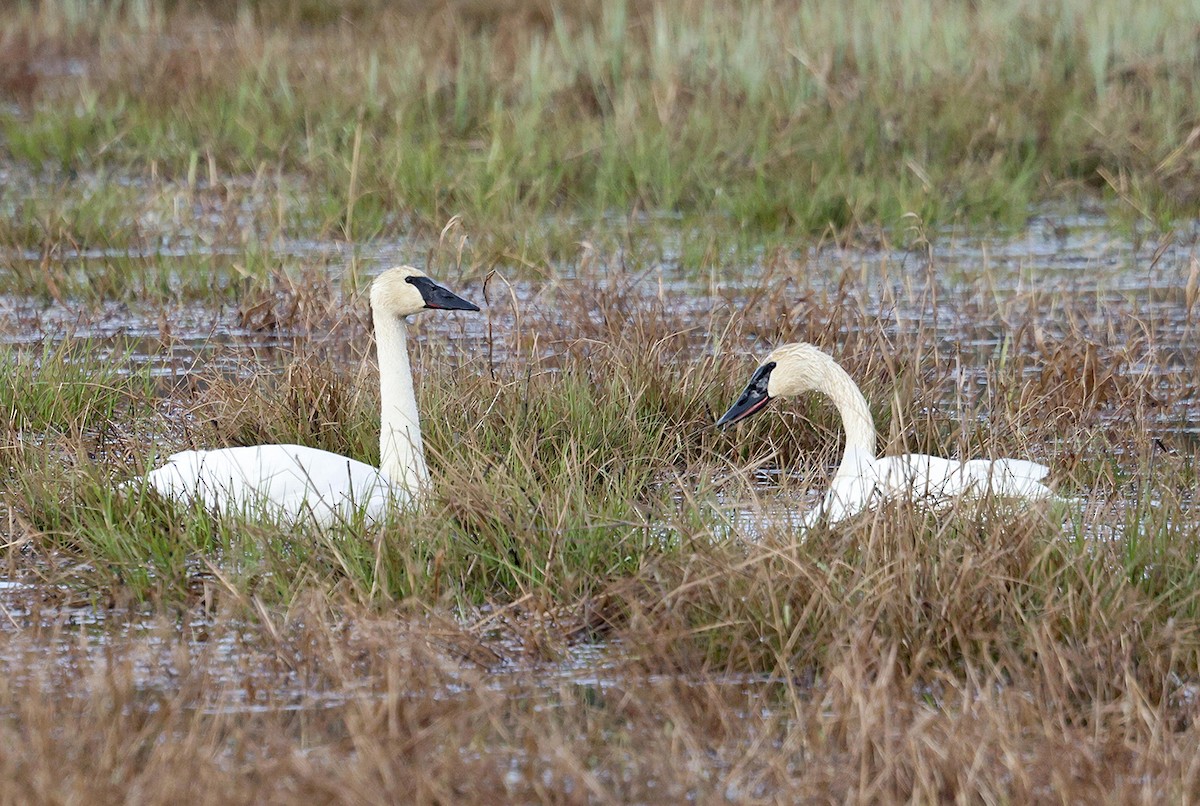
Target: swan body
863,480
295,482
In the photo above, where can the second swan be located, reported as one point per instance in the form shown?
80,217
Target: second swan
864,480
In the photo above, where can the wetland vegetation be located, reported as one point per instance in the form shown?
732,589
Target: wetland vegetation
987,212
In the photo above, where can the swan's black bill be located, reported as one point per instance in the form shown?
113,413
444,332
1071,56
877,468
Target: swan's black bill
753,399
439,298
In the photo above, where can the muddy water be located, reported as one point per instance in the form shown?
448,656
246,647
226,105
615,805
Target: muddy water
50,637
1082,258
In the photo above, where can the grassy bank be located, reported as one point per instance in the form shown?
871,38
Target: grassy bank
535,121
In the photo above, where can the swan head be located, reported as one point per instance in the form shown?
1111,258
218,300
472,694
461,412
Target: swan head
790,370
404,290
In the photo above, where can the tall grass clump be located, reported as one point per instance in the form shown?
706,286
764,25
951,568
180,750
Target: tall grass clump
71,388
75,414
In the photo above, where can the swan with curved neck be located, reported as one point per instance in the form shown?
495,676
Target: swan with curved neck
296,482
863,480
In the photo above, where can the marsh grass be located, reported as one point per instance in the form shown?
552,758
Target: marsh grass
604,599
72,387
581,496
569,453
430,710
752,125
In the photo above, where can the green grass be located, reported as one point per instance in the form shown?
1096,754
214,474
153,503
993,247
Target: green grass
70,387
772,122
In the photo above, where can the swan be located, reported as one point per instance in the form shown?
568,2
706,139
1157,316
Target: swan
863,480
295,482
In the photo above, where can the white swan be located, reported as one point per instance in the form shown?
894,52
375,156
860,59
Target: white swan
294,482
862,480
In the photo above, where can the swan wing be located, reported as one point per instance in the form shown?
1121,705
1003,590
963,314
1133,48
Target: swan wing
919,476
1010,478
847,496
292,481
932,478
864,482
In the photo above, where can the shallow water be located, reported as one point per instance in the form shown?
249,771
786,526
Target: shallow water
1080,257
1070,271
244,673
1061,271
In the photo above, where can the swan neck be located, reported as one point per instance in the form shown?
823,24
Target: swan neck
855,413
401,452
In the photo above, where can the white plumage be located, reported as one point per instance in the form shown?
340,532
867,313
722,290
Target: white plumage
298,483
862,480
294,482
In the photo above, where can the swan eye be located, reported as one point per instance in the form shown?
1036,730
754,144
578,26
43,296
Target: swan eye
753,398
761,379
439,298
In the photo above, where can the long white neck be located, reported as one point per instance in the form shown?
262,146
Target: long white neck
401,453
856,417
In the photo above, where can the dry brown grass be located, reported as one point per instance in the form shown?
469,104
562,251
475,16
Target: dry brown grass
379,709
